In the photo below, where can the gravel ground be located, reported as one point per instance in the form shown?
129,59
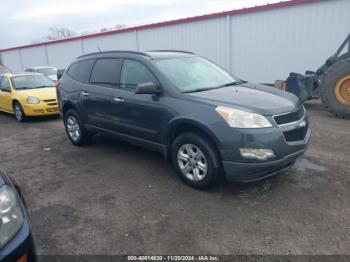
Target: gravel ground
115,198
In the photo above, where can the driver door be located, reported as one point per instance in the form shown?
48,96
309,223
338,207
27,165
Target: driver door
136,115
5,95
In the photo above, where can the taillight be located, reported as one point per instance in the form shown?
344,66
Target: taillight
57,84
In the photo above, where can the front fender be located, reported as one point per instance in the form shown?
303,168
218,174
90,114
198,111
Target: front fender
178,121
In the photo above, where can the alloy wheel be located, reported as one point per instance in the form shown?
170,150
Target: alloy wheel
73,128
18,112
192,162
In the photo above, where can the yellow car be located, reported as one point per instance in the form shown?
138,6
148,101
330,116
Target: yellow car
26,95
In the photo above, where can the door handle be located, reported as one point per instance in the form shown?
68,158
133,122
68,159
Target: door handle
118,99
85,93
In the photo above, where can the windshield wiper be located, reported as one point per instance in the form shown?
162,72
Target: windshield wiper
200,90
217,87
231,84
23,88
42,86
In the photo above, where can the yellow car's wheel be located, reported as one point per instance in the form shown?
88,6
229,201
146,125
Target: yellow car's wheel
19,113
335,89
342,90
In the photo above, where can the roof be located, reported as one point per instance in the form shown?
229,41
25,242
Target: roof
114,52
174,22
151,54
159,54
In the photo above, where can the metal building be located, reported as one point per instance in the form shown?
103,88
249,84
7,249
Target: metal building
259,44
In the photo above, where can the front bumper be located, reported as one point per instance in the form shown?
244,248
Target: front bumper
40,109
250,172
21,245
240,169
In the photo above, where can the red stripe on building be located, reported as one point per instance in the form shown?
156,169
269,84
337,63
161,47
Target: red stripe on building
174,22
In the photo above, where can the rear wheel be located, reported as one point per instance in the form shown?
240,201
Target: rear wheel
75,130
19,113
335,89
195,160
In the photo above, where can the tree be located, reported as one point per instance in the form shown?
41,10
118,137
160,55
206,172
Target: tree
56,33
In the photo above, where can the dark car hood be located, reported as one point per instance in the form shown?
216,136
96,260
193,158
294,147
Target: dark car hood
257,98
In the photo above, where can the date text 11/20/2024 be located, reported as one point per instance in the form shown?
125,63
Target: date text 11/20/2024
173,258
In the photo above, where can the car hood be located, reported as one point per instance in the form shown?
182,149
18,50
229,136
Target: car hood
256,98
40,93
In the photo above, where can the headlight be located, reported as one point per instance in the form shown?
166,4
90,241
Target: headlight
242,119
33,100
11,214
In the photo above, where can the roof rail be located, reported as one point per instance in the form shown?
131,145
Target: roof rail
175,51
116,51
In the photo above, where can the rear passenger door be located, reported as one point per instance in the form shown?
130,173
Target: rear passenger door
97,95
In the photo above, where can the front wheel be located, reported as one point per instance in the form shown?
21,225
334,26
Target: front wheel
75,130
196,161
19,113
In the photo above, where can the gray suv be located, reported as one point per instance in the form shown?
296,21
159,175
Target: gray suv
207,121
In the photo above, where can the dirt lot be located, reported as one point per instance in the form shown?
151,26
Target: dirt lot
114,198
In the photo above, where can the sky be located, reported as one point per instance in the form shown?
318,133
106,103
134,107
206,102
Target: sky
27,21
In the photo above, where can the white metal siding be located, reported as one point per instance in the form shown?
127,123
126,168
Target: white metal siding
261,46
61,54
269,45
206,38
123,41
12,59
35,56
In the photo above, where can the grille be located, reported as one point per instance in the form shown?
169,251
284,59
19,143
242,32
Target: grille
52,110
51,102
296,134
290,117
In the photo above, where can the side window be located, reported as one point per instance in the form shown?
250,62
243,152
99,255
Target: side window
106,71
5,85
134,73
80,71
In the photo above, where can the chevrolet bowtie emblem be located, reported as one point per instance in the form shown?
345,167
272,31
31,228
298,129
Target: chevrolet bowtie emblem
302,124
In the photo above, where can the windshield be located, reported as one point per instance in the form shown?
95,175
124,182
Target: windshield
48,71
31,82
190,74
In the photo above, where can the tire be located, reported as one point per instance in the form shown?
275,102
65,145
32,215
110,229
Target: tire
19,113
192,152
330,84
75,129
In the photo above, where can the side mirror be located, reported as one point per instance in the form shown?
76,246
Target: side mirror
147,88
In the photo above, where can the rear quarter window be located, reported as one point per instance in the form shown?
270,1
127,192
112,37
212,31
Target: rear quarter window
81,70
